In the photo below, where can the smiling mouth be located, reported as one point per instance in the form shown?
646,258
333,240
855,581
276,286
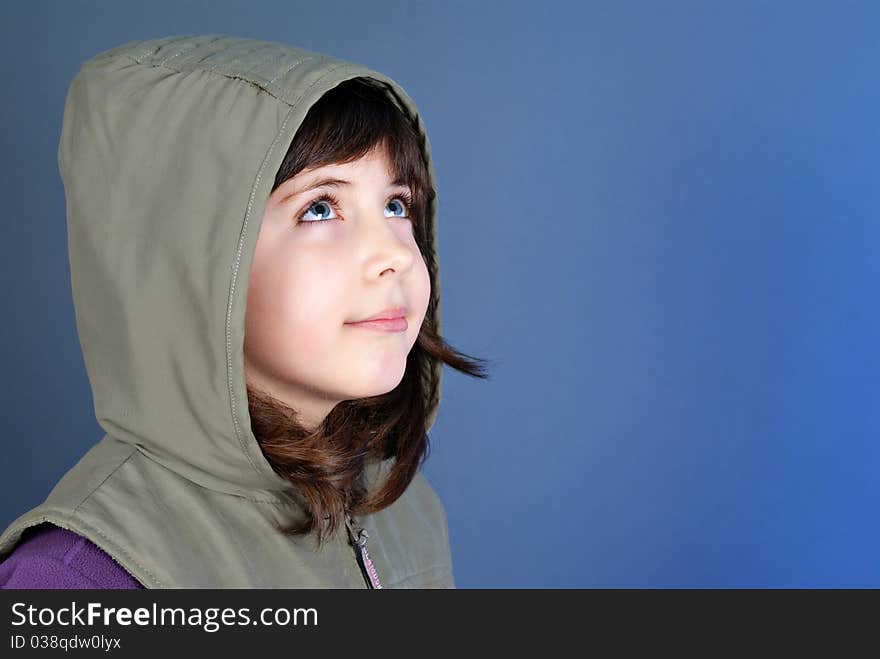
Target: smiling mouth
386,314
383,325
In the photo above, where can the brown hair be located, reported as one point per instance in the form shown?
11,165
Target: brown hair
326,464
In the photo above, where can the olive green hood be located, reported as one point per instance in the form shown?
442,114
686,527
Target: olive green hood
168,153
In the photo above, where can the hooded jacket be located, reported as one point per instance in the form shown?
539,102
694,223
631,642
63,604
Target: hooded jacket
168,153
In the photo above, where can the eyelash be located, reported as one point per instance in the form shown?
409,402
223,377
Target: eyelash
333,200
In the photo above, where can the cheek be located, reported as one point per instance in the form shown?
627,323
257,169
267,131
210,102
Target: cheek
293,309
420,293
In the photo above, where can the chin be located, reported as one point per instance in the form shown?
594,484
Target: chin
378,385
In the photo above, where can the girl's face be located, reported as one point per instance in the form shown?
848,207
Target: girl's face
319,265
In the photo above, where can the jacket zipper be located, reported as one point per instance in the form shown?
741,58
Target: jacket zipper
358,538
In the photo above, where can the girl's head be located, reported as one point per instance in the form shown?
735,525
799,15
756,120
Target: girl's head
338,244
345,236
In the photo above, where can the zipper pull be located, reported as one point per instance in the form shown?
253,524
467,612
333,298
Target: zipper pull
358,536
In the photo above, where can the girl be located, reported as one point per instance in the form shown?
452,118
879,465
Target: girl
272,439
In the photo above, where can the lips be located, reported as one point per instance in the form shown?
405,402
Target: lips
386,325
392,319
387,314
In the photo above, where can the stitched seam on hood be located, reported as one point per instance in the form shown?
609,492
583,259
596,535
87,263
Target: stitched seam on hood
276,91
113,471
229,385
278,500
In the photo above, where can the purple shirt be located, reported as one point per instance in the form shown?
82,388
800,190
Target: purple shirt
50,557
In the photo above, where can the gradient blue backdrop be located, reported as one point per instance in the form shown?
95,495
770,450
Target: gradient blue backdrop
659,219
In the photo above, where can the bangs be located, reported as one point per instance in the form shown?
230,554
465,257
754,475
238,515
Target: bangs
348,122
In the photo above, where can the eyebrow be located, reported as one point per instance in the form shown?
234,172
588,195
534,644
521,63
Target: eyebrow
332,183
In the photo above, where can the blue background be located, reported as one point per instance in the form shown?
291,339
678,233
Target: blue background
660,220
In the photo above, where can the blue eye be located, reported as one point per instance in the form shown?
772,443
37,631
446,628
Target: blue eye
324,202
404,207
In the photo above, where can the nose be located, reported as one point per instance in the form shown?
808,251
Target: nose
386,248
